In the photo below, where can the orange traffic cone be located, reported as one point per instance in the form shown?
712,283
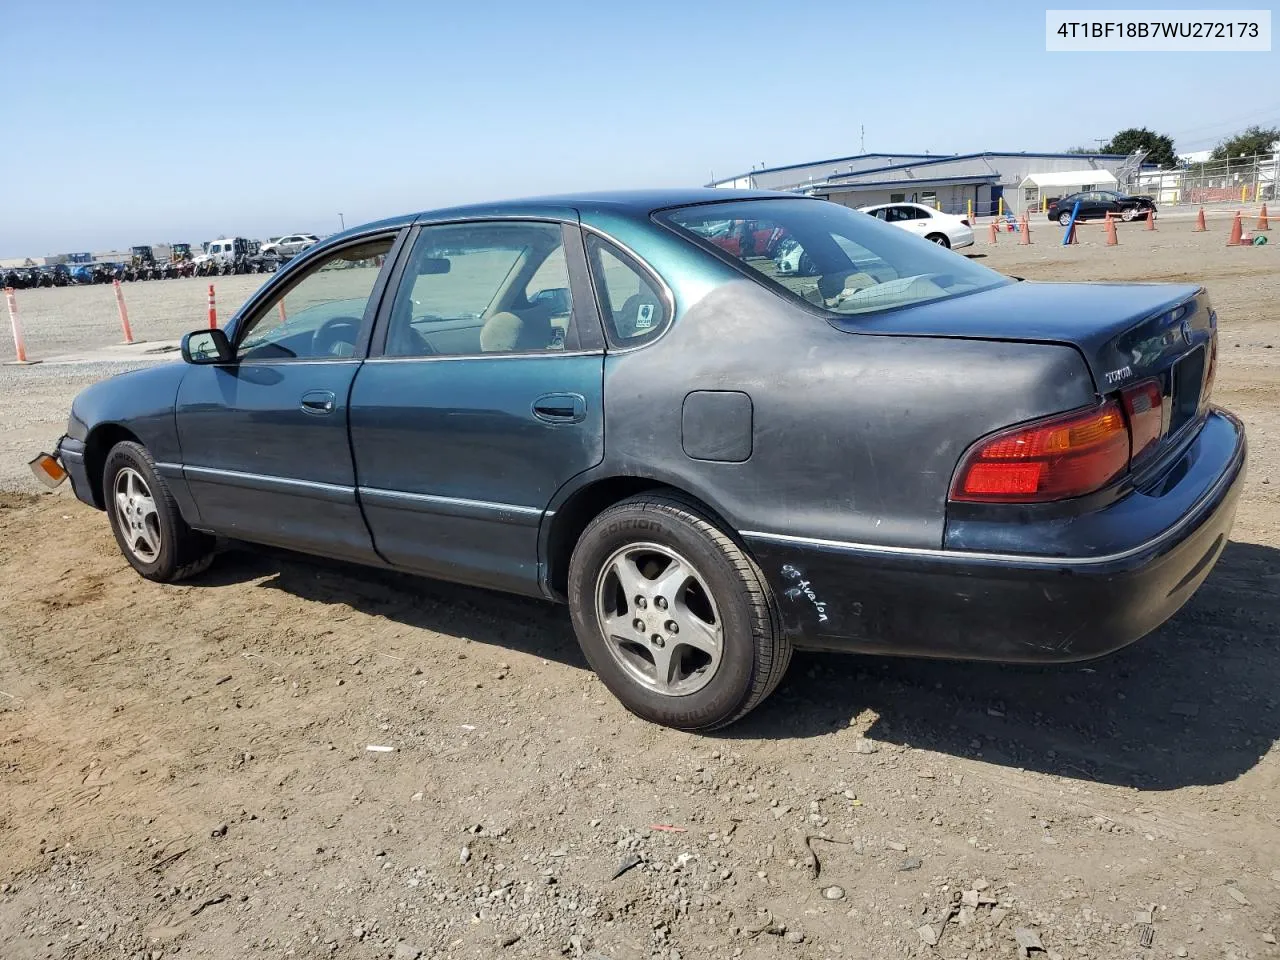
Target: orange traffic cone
1263,222
1024,237
1151,219
991,237
1112,239
1200,227
1236,232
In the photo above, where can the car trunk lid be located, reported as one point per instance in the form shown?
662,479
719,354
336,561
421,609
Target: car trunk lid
1127,333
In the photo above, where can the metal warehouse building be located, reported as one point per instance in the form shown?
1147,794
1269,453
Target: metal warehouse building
983,183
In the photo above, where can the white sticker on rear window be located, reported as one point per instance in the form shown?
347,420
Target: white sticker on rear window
644,317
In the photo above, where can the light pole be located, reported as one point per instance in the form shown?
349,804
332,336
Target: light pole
342,221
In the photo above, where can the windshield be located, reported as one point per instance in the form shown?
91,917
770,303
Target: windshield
832,257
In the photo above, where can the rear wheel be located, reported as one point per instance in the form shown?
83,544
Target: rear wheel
940,239
1064,218
146,522
1128,214
673,616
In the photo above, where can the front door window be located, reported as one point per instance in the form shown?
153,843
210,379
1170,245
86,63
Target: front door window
319,316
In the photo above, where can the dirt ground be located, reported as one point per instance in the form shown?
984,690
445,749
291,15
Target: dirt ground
187,770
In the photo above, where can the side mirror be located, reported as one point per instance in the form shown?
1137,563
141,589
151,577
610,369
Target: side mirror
207,346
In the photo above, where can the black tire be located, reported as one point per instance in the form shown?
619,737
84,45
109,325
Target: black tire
1064,218
1129,214
754,653
940,239
182,552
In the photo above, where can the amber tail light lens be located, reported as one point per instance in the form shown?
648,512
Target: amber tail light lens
1052,459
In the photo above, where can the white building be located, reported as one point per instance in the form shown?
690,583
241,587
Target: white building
981,183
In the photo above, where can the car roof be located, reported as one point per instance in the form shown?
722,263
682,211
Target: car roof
637,204
633,204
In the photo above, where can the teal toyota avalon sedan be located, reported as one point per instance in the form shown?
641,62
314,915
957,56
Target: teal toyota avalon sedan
717,425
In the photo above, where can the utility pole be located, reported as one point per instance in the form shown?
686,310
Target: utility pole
342,221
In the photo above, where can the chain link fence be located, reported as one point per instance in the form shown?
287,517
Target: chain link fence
1234,180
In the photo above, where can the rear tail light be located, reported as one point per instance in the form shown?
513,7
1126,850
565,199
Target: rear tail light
1143,404
1052,459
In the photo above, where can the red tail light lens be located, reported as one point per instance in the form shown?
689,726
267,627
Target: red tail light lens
1051,459
1146,418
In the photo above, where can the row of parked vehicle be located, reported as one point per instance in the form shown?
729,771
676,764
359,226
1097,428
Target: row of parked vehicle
223,257
67,275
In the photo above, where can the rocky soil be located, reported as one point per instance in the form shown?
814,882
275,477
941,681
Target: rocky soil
291,758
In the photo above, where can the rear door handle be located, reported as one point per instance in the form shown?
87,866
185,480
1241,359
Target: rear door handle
561,408
318,403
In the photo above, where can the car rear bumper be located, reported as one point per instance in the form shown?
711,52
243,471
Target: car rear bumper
1016,607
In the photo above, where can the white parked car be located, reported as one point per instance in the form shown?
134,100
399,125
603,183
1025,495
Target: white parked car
290,246
224,249
944,229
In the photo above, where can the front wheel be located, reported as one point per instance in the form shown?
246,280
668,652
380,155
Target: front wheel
1128,214
673,616
940,239
146,522
1064,219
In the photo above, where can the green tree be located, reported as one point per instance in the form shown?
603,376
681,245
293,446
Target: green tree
1159,147
1246,143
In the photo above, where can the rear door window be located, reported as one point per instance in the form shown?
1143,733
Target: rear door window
483,288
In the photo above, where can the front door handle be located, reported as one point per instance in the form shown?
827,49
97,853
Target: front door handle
561,408
318,403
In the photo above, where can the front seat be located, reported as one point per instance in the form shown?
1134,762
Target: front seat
506,333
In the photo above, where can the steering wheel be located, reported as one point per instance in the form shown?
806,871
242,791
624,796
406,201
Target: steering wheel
334,334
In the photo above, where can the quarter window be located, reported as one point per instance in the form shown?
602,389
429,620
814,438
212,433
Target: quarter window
630,301
320,315
480,288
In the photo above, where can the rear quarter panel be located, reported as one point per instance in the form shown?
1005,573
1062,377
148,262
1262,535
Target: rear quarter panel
853,437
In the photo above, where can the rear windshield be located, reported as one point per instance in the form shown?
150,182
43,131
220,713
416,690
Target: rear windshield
832,257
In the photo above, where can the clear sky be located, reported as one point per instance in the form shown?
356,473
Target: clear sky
133,121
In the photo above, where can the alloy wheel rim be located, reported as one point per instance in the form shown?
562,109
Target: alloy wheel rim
659,619
136,514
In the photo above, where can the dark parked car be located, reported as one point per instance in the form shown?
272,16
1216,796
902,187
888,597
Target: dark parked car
879,447
1096,204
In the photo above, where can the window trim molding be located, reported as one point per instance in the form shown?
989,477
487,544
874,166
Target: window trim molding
522,355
